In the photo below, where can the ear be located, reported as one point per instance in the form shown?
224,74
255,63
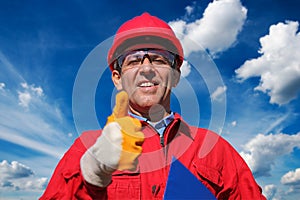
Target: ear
176,77
116,78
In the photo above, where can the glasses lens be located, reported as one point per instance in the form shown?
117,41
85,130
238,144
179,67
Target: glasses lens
156,57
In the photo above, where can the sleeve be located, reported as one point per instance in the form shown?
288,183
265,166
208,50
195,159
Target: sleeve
67,181
246,186
224,171
238,177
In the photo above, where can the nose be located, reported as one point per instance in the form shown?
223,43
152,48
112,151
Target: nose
148,60
146,68
146,63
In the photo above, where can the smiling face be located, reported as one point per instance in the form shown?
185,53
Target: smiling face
148,83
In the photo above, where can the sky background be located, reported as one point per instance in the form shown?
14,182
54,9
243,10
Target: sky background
249,70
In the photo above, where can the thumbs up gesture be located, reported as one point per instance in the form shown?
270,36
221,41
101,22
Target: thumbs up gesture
127,136
118,147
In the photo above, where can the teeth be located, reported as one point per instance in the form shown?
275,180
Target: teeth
146,84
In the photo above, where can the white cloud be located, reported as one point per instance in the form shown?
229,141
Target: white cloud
247,110
185,69
31,122
278,66
33,130
278,123
39,123
36,184
37,90
2,86
216,31
217,95
234,123
291,178
29,93
17,176
14,170
24,98
35,142
38,127
189,9
269,191
261,152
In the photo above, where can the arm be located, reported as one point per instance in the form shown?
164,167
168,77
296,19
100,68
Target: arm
246,186
220,167
86,169
239,182
67,181
118,147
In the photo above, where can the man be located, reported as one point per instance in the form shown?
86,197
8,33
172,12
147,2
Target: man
130,158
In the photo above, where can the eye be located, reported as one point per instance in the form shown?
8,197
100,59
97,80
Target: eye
132,60
159,60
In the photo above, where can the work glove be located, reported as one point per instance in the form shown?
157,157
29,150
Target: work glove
117,148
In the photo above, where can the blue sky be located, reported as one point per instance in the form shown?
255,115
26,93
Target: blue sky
245,86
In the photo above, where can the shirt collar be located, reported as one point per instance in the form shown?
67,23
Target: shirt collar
157,125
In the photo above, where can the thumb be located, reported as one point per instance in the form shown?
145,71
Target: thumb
122,104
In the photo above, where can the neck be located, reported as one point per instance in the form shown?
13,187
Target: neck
154,114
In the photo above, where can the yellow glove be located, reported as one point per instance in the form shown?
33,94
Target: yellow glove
118,147
132,138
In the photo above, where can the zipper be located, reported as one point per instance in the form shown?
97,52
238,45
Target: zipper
162,140
161,136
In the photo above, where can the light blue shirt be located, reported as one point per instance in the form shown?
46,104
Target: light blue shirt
159,126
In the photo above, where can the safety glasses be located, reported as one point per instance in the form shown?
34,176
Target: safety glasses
157,57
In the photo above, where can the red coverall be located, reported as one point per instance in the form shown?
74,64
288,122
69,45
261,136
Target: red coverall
209,157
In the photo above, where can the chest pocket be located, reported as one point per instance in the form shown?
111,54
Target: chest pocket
125,185
210,177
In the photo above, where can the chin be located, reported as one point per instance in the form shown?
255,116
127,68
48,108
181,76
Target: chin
147,104
146,101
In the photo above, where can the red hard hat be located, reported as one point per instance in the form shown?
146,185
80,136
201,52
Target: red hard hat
144,31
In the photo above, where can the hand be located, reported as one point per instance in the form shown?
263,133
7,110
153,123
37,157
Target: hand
117,148
127,136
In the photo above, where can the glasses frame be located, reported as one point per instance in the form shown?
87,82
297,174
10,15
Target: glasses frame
119,61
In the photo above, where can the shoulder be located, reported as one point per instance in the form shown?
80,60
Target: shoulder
69,163
210,138
207,139
212,147
217,151
82,143
88,138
